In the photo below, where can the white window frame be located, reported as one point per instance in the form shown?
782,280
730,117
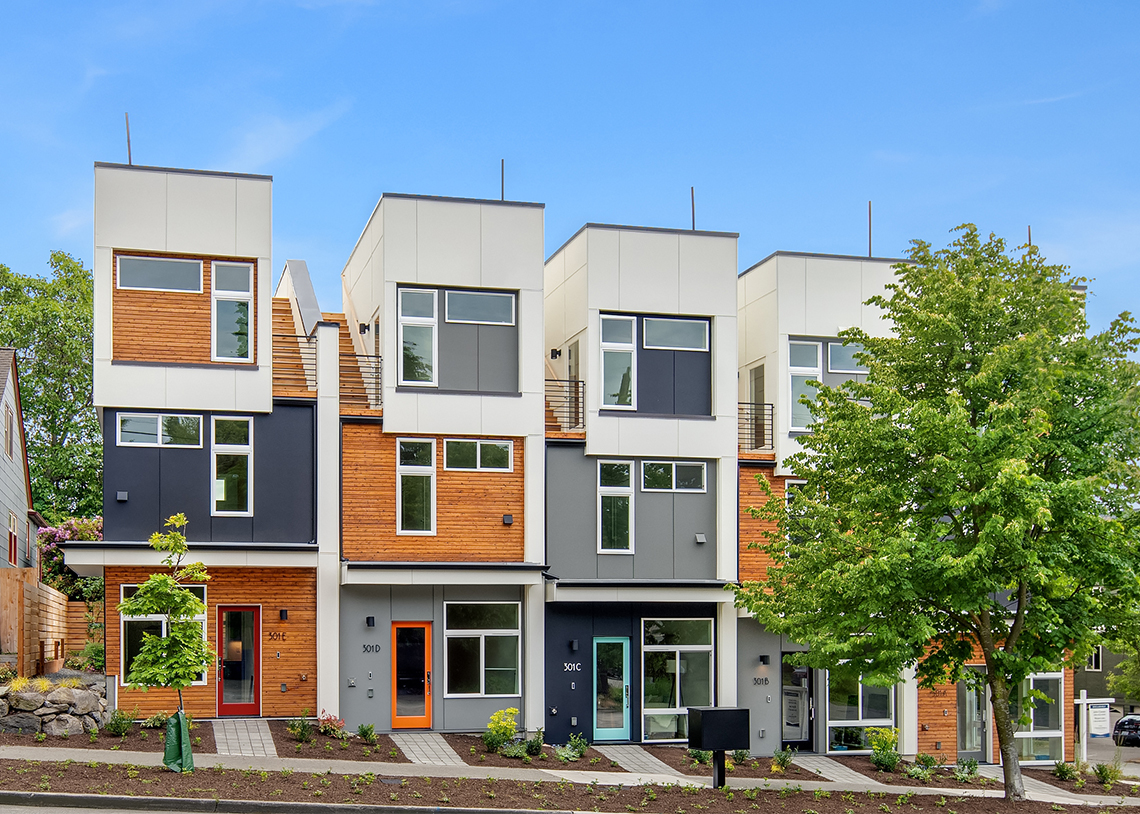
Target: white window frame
482,635
230,449
674,488
119,285
645,334
217,296
447,307
432,323
1095,663
160,416
404,469
200,618
13,538
1032,731
623,347
833,343
9,432
479,442
618,491
815,373
676,649
855,723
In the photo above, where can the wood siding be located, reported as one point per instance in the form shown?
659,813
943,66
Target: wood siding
294,589
753,562
173,327
469,506
32,614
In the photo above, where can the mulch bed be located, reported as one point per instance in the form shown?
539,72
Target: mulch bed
367,788
593,760
352,748
137,740
1091,786
943,778
677,757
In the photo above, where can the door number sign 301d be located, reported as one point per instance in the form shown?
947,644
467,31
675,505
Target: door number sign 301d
371,648
571,666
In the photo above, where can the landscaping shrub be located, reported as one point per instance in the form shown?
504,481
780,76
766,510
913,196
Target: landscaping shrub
515,749
534,745
579,744
782,758
367,733
919,772
966,770
700,757
7,673
928,761
740,756
884,756
156,721
501,729
120,722
301,729
1109,773
330,726
1065,771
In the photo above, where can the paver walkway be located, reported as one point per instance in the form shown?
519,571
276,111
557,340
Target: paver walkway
428,748
634,759
244,736
830,769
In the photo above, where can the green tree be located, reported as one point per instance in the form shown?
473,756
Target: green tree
976,493
49,322
179,658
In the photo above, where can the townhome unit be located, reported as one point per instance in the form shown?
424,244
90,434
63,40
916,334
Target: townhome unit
640,481
792,306
15,480
193,423
441,573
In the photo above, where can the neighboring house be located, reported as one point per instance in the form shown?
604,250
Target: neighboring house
641,328
22,520
1093,678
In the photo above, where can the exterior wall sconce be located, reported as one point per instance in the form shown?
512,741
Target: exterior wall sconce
555,353
573,644
765,659
284,615
508,519
370,621
364,326
701,540
121,497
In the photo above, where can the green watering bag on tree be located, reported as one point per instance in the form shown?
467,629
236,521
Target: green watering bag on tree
177,755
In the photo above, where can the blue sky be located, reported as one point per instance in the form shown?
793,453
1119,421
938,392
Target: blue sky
787,118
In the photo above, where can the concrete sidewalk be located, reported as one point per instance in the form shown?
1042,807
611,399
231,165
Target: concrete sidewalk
1035,790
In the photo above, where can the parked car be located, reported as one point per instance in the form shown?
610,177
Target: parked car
1127,731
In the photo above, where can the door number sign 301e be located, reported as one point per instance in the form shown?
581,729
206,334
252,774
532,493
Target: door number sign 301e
276,635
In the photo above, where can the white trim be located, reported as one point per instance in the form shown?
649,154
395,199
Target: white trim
1095,663
159,417
645,341
482,634
421,471
615,491
618,347
431,322
155,617
677,649
838,343
854,723
674,488
1032,731
447,307
216,297
813,373
230,449
120,286
479,455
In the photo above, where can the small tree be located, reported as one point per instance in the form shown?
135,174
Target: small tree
976,494
180,657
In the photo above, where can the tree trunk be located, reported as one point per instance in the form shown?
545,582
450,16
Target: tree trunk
999,696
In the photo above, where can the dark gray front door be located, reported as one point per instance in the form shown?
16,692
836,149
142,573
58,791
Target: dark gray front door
972,717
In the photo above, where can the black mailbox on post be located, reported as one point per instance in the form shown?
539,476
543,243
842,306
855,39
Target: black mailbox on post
718,730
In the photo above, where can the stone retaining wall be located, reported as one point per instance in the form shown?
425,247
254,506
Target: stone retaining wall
63,710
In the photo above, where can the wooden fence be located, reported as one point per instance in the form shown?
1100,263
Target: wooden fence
33,622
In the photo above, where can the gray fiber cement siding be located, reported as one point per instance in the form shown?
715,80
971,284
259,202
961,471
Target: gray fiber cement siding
665,524
366,653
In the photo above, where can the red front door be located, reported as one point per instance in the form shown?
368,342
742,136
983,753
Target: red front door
239,660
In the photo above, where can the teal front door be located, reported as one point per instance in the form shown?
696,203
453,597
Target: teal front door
611,689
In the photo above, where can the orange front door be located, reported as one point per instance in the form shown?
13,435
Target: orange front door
411,675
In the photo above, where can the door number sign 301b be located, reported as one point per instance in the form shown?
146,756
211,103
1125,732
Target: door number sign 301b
571,666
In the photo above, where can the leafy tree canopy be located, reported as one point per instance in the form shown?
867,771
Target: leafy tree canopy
977,493
49,322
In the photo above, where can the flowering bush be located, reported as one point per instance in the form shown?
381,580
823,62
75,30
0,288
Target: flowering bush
52,570
330,725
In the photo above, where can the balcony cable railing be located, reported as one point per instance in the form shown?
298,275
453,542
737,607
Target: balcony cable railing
565,405
756,426
361,379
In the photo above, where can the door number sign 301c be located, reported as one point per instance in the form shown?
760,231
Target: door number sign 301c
571,666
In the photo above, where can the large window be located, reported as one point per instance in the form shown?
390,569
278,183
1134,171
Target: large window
853,707
482,656
804,366
676,334
159,430
415,486
418,355
480,307
133,628
233,303
677,673
615,507
160,274
1042,738
672,476
232,454
619,363
495,456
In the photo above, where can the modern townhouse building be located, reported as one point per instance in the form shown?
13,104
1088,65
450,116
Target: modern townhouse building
640,481
792,306
441,574
194,421
23,521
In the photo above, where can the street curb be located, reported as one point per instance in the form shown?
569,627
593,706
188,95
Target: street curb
128,803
